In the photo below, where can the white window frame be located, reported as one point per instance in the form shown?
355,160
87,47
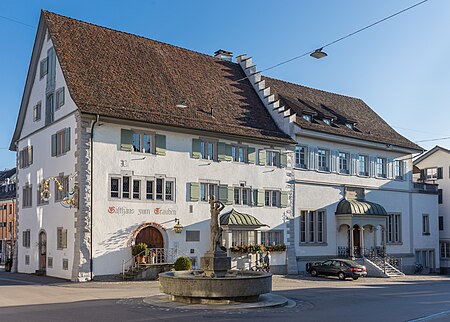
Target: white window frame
205,190
270,195
236,156
444,247
273,158
205,152
27,196
241,191
383,168
425,224
26,238
364,157
272,237
119,187
321,159
394,228
60,98
61,238
136,194
398,169
37,110
344,162
298,153
313,227
142,135
241,237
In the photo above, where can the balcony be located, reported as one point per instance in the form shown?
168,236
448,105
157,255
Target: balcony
425,187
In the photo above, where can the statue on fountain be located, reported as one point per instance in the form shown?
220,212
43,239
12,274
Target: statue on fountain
216,231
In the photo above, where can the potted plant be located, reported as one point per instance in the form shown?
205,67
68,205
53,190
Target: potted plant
140,251
182,264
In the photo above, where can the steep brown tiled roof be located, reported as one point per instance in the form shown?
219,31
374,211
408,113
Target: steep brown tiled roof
369,125
116,74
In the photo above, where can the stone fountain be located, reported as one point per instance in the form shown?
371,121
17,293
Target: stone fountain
215,282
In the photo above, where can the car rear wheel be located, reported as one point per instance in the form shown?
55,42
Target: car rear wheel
341,276
355,278
313,272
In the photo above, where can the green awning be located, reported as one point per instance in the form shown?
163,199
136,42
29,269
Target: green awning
359,207
234,218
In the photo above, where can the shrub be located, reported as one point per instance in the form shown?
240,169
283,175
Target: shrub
183,264
139,248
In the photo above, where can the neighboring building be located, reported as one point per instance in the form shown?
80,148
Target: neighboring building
141,133
433,169
354,194
7,212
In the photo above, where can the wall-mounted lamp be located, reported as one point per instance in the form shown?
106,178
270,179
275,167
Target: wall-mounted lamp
318,53
68,201
177,228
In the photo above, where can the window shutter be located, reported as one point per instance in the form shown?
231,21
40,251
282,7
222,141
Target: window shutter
260,197
262,157
284,199
228,152
64,238
160,143
196,149
51,70
24,238
20,159
223,193
439,173
67,139
251,157
194,191
126,140
53,145
30,154
230,195
283,160
221,151
423,174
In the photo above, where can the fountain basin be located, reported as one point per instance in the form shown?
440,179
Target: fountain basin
195,288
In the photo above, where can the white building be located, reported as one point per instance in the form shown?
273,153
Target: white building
143,132
433,168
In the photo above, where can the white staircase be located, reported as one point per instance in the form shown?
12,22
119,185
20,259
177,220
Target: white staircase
379,266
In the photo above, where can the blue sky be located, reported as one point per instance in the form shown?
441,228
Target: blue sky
400,67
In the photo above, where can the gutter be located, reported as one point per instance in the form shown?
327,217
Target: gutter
92,192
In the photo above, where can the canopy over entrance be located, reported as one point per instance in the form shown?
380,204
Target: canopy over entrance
359,207
234,218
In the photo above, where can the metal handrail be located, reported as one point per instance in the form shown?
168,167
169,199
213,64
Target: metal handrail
134,262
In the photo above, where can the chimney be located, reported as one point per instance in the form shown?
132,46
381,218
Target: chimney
224,55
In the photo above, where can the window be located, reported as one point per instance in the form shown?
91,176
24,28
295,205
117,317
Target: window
381,167
61,238
425,224
49,109
208,150
272,198
327,121
445,250
169,190
343,162
272,237
192,235
61,194
60,97
431,174
125,187
323,156
239,153
37,112
242,196
159,189
27,200
115,186
207,190
440,196
273,158
394,228
27,259
26,157
142,142
65,264
50,262
26,235
43,68
312,226
136,189
363,165
307,117
301,156
61,142
349,125
243,237
149,190
398,169
441,223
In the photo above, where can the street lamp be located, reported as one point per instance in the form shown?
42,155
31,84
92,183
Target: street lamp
318,53
177,228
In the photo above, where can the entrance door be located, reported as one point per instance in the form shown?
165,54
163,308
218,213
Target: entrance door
150,236
357,240
42,251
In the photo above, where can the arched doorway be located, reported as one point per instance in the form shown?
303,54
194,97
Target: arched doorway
42,251
357,240
150,236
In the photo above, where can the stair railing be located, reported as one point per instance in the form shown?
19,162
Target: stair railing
135,262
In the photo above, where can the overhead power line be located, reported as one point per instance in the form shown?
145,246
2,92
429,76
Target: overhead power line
17,21
436,139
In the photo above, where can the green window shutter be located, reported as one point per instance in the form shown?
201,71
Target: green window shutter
194,191
53,145
228,155
67,139
196,149
223,193
284,199
262,157
30,155
230,195
126,140
283,160
160,143
251,155
260,197
221,151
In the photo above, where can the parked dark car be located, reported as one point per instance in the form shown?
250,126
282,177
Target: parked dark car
341,268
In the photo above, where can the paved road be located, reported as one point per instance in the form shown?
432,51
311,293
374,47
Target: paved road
33,298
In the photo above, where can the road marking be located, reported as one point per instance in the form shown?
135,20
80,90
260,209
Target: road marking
432,316
20,281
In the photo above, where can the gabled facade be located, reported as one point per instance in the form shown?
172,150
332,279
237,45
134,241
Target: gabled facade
433,169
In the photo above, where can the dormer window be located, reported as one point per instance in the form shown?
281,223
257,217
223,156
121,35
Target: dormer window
307,117
327,121
350,125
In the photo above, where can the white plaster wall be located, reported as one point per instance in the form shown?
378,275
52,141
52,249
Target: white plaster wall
112,232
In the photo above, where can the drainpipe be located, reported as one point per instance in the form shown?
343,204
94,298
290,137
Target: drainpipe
92,191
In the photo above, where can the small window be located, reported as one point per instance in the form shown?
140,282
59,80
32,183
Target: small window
350,125
43,67
441,223
142,142
65,264
26,235
363,165
27,198
239,154
398,169
301,156
192,235
323,158
126,187
307,117
115,184
440,197
169,190
136,189
343,162
159,189
149,191
60,97
208,190
27,259
425,224
327,121
50,262
61,237
272,198
37,112
381,167
60,142
208,150
273,158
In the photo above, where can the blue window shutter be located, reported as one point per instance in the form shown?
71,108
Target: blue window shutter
53,145
67,139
